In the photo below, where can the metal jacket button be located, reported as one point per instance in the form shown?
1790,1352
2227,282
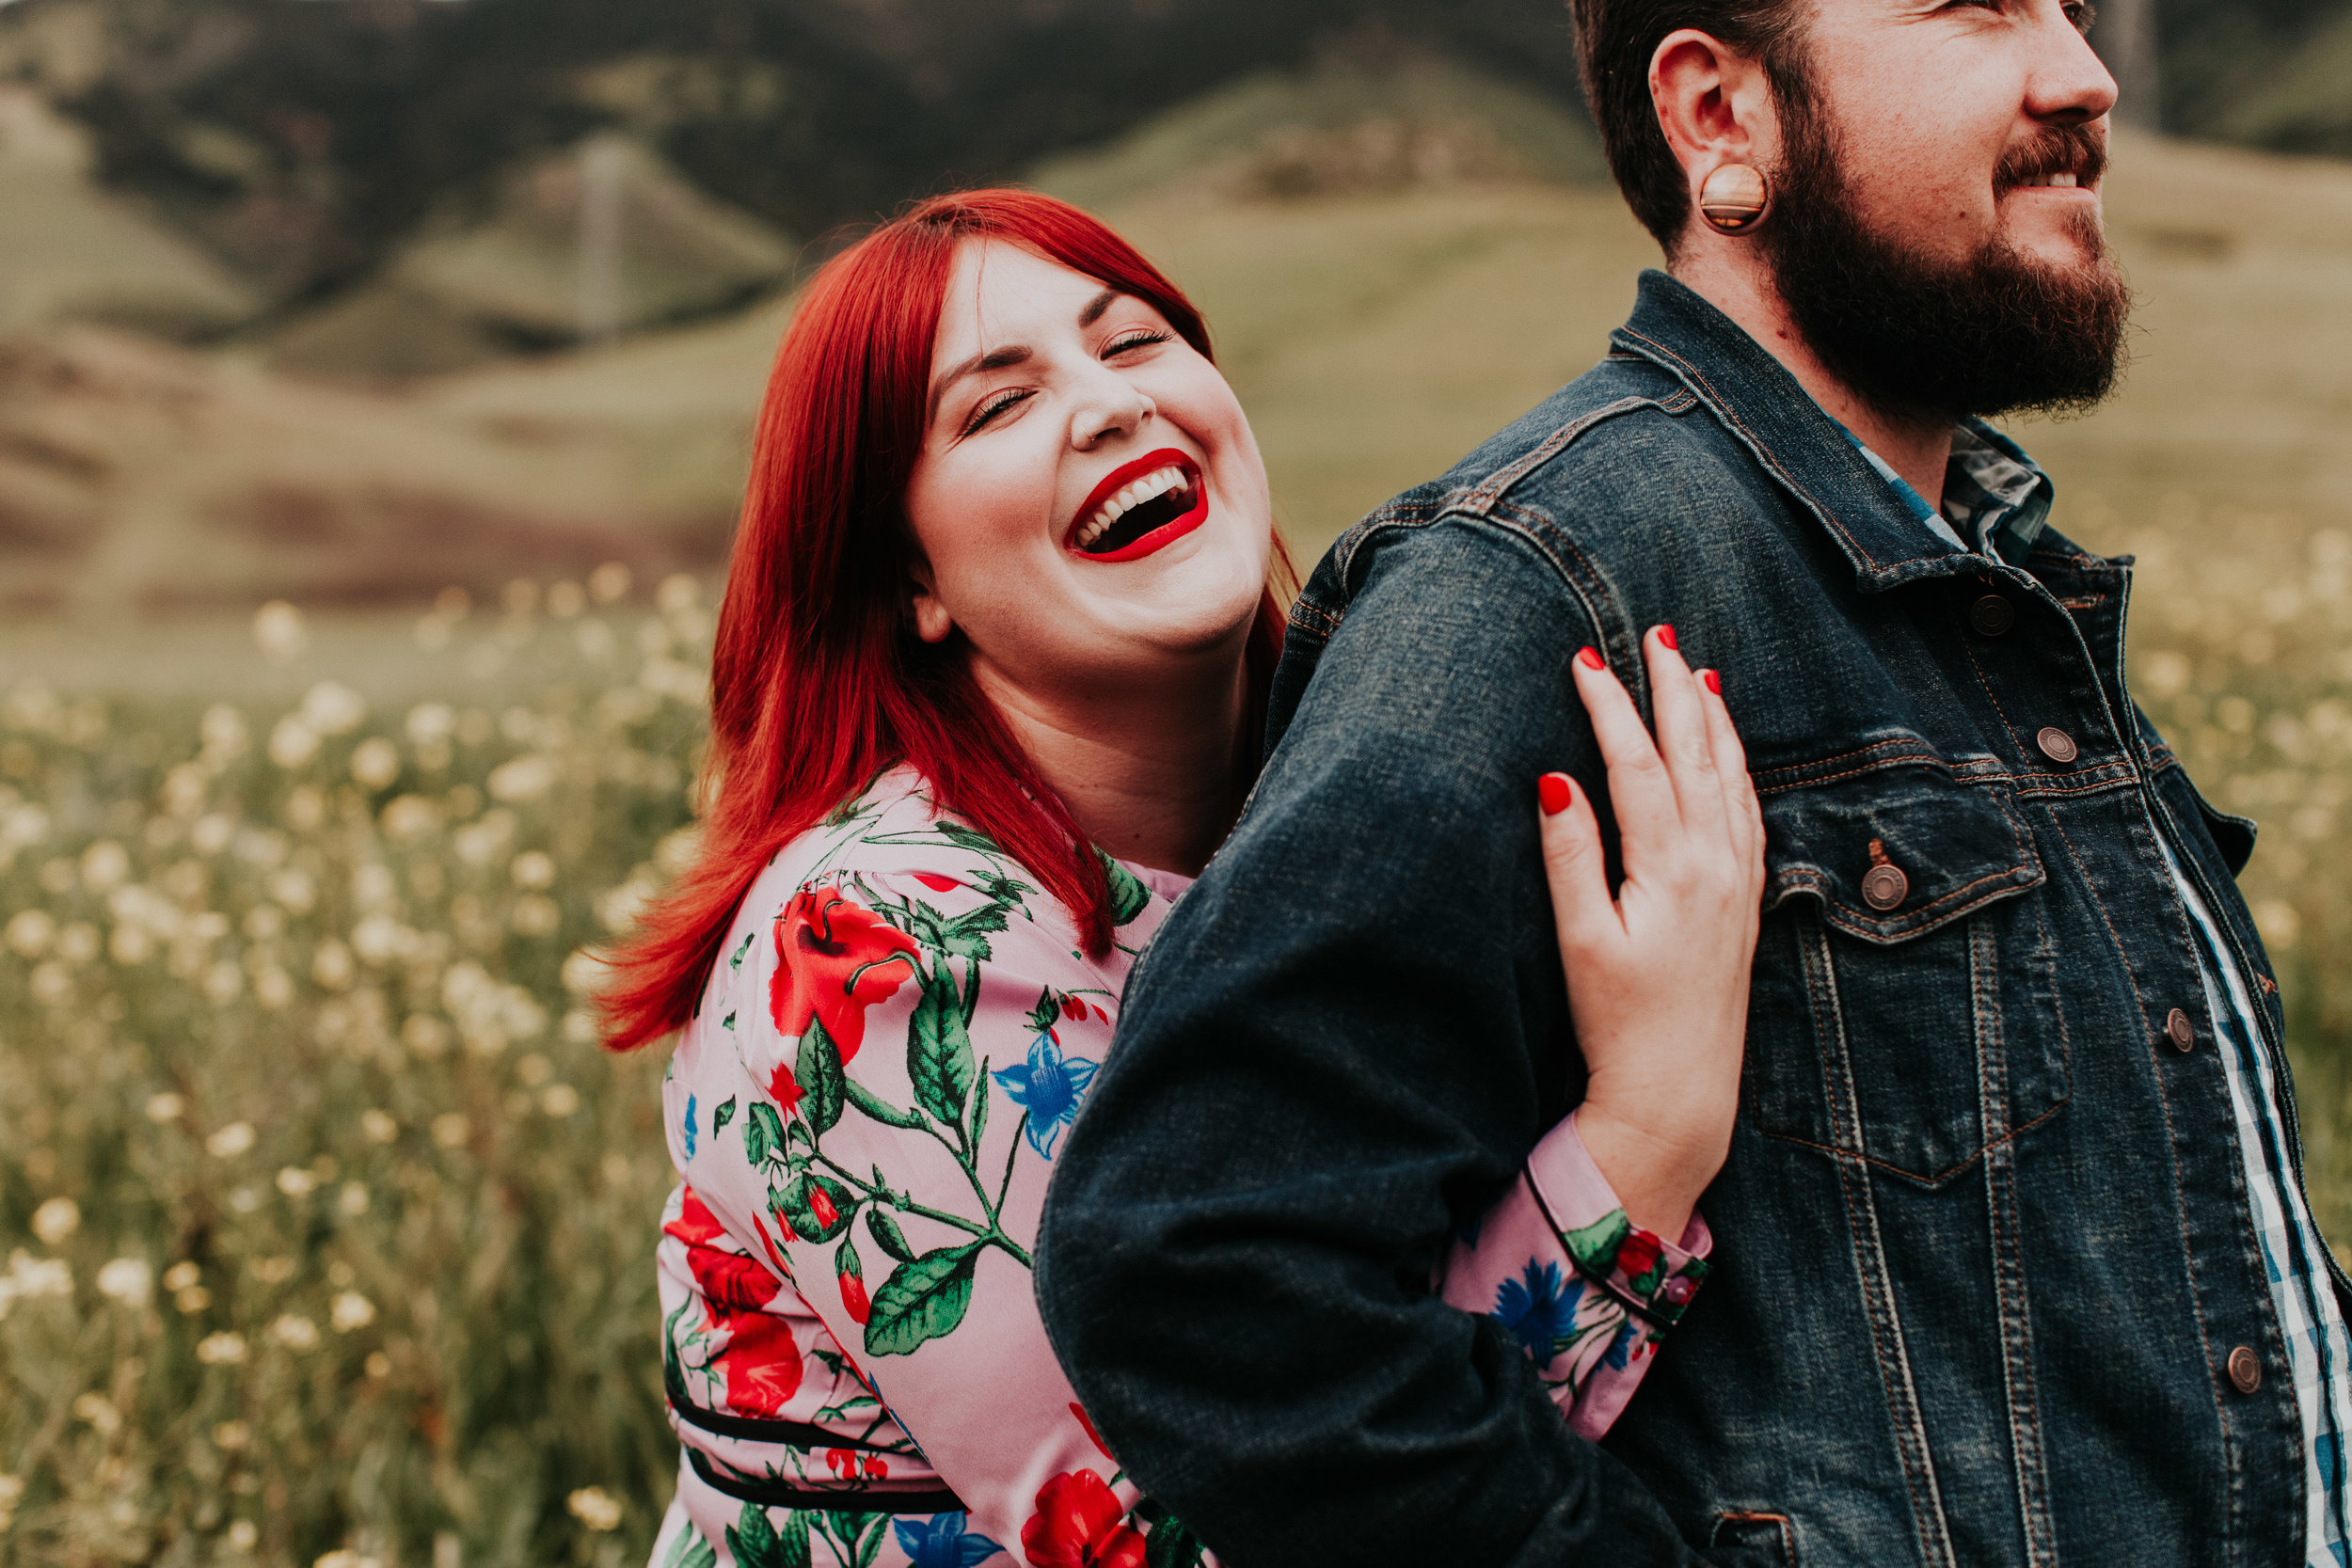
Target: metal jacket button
2179,1030
1884,886
1991,616
2057,745
2246,1371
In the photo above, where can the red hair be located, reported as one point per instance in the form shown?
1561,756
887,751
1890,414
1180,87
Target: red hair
817,683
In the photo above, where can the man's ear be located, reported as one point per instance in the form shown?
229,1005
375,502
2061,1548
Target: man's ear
1714,105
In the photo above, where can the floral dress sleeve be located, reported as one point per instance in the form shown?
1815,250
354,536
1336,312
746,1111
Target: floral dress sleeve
1585,1291
915,1032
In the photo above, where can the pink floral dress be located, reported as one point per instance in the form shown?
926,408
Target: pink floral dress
863,1113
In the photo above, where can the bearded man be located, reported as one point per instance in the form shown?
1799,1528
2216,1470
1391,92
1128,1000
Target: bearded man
2014,1263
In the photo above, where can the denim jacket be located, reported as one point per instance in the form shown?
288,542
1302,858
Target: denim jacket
1985,1248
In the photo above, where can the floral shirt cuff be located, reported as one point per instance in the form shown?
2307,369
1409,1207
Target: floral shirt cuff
1654,1278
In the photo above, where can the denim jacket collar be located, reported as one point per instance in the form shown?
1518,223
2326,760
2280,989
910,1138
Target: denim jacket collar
1804,450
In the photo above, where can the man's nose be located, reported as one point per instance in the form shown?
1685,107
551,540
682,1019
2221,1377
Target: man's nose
2071,84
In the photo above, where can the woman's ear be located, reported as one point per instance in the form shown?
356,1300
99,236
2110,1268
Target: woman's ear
930,618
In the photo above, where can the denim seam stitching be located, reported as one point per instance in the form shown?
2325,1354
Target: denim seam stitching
2008,1283
1912,756
1482,497
1924,1178
2172,1133
1771,461
1350,544
1917,1462
1927,916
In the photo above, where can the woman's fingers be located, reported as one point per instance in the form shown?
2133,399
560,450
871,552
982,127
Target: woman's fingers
1574,867
1676,701
1731,768
1639,789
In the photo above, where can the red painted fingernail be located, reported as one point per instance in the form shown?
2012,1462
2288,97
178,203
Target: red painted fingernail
1666,635
1714,682
1554,791
1590,659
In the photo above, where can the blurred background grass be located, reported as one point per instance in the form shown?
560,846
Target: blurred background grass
326,1226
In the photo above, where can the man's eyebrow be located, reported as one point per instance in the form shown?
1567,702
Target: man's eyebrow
1095,307
992,359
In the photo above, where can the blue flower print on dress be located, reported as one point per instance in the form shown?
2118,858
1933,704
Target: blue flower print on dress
1538,1309
1049,1088
688,1128
941,1542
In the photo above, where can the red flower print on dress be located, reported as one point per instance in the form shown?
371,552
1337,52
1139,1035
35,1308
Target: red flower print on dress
820,1205
762,1364
1637,1254
695,1224
842,1462
853,1299
1073,1009
785,1089
729,1281
835,960
1093,1437
877,1467
937,884
1080,1522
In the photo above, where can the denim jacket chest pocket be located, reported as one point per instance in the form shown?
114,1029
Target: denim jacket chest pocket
1904,1009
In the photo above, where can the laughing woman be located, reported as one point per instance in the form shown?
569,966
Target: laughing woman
989,675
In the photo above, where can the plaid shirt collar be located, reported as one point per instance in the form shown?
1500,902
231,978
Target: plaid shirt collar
1996,499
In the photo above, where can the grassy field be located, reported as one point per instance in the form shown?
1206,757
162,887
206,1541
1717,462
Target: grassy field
326,1224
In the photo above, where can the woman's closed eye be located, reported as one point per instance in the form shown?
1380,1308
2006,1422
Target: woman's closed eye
1127,343
993,405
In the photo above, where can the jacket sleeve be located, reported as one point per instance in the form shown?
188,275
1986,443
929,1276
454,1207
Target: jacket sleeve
1341,1047
1586,1292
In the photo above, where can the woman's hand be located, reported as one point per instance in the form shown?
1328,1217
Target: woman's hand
1658,976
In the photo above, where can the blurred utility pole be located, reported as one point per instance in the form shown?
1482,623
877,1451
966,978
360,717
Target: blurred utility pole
603,170
2125,36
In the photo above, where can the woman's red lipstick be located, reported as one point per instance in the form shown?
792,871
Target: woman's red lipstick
1162,523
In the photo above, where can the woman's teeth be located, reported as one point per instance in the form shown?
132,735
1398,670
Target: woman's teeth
1134,495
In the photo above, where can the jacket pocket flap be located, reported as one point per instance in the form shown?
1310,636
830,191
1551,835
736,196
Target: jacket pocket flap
1893,854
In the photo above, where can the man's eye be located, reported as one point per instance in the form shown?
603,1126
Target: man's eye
992,405
1128,341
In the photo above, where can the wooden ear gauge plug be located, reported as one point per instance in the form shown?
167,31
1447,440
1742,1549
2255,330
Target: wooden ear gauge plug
1733,198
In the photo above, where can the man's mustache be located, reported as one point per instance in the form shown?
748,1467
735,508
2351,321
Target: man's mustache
2062,149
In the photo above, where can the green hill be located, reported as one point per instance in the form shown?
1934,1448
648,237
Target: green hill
1374,328
602,238
70,248
1344,128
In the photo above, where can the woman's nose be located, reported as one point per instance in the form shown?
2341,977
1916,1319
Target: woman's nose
1115,407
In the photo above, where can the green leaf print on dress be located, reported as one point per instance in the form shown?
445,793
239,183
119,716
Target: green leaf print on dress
755,1543
939,1048
921,1301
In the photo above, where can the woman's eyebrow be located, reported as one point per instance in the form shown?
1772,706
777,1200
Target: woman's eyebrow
991,359
1095,307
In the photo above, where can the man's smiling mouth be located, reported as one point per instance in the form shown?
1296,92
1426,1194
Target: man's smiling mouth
2061,158
1141,506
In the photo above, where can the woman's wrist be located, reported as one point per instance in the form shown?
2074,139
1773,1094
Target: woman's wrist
1658,1167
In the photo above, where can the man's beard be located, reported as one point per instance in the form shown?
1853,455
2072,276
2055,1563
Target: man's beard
1992,334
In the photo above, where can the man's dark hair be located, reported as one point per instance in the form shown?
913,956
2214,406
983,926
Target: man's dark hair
1615,41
